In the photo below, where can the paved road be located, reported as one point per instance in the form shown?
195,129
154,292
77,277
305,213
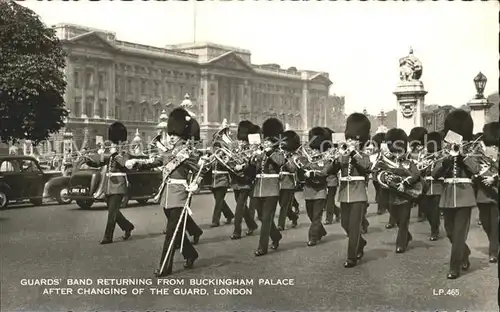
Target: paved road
55,241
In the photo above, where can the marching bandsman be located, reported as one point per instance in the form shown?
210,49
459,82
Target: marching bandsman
381,196
400,207
266,188
332,183
457,199
429,204
478,138
288,180
354,165
315,186
487,184
242,185
179,162
417,150
219,186
116,184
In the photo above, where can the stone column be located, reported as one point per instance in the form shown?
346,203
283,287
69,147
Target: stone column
204,98
410,104
111,96
478,108
84,103
69,95
303,109
96,90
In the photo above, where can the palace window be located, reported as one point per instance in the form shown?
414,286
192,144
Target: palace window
130,115
182,91
89,106
129,85
76,78
88,79
101,81
117,85
143,87
78,107
144,116
193,94
102,108
117,110
157,88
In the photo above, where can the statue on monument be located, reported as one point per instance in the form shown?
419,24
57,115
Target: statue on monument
410,67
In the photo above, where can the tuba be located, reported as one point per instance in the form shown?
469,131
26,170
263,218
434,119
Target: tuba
389,170
227,153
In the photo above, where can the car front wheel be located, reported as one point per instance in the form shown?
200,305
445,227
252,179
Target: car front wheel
62,196
4,200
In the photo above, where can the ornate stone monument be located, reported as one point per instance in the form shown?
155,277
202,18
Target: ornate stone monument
410,93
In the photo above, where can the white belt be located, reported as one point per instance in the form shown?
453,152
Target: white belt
432,179
177,181
287,173
220,172
116,174
268,175
352,178
457,180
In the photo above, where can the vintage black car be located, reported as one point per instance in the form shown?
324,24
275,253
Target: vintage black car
86,185
22,178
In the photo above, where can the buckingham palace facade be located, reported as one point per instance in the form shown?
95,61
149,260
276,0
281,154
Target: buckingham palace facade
110,80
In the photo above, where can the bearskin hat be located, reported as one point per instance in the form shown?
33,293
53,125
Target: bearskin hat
328,139
491,133
292,141
397,140
434,142
117,133
272,128
255,129
378,139
193,130
244,129
316,137
459,121
417,136
357,128
178,122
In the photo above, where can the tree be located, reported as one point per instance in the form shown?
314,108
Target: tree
32,82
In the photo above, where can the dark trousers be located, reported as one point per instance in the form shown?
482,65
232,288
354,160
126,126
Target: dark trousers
220,205
314,208
456,224
115,216
384,201
488,214
381,198
266,209
429,204
351,218
295,203
188,251
242,211
331,207
286,201
401,214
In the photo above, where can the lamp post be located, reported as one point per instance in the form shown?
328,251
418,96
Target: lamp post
479,104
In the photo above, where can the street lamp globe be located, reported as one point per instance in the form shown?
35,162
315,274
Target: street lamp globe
480,82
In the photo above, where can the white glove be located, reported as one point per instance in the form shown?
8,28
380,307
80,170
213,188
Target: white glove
307,174
129,164
193,187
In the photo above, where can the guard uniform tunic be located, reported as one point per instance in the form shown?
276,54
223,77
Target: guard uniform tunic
429,203
288,185
315,193
266,193
488,207
173,199
352,197
457,201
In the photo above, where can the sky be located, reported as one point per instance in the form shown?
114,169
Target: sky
357,43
